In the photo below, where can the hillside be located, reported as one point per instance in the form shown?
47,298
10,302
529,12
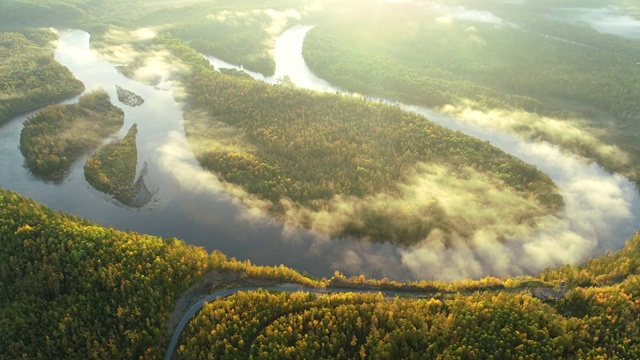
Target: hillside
589,323
337,165
73,289
520,67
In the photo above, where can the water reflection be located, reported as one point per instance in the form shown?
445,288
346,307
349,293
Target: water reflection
289,63
601,209
189,204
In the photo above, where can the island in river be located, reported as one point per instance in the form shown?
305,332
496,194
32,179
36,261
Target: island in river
58,135
129,97
339,165
112,170
72,289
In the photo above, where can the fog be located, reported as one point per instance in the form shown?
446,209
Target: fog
591,202
148,64
599,207
451,13
571,134
278,20
607,20
500,232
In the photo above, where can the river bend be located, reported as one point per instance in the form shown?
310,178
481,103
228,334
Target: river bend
602,210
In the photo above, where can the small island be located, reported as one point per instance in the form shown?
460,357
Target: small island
129,97
58,135
112,170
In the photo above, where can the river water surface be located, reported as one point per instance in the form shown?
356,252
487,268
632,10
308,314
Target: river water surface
602,209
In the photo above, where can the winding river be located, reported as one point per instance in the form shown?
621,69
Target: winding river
602,210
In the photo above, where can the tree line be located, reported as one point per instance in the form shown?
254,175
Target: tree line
588,323
243,40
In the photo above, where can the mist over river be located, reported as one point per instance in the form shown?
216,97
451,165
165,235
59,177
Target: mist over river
602,210
607,20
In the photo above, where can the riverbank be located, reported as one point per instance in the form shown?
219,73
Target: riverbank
601,213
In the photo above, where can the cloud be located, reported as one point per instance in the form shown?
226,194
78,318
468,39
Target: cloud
569,134
277,19
607,20
445,19
495,235
280,20
79,53
176,158
461,13
144,34
135,50
594,207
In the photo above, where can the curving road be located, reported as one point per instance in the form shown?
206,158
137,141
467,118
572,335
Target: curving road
286,287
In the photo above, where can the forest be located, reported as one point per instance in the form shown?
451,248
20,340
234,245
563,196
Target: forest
238,42
323,147
73,289
576,74
112,169
29,75
70,288
326,150
56,136
588,323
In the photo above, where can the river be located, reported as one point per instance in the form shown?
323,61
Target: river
602,209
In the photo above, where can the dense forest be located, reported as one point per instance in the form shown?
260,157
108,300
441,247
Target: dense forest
112,169
56,136
74,289
29,76
25,13
588,323
423,56
286,144
235,38
70,288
